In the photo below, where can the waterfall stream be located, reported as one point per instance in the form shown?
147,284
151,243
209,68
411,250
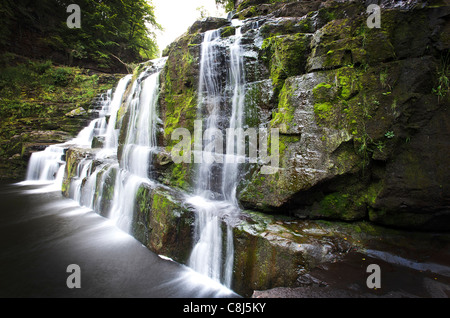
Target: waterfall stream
208,256
220,105
133,169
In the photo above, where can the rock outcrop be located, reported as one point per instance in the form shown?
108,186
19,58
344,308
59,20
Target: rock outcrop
354,107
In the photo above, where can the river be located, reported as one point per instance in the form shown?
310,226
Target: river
42,233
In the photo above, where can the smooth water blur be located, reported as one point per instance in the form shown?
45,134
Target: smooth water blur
42,233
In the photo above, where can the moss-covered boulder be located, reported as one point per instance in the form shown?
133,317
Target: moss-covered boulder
163,223
286,56
347,125
309,153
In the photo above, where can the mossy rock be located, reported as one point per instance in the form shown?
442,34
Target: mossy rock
179,81
163,223
285,56
40,97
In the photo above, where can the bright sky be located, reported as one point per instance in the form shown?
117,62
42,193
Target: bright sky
176,16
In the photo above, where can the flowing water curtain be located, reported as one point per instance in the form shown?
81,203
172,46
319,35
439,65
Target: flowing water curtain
141,132
111,137
89,185
210,94
235,150
44,165
214,181
139,142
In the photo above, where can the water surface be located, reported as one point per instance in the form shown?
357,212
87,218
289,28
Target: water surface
42,233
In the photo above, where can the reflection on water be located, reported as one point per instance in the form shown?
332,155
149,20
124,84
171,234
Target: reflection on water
42,233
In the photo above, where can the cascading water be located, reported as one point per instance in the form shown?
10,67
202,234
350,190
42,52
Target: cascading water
44,165
208,256
48,165
111,137
139,143
140,140
235,149
221,98
132,171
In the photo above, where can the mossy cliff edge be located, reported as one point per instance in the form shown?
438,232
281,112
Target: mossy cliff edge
43,104
364,136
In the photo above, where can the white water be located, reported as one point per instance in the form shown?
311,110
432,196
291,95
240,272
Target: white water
209,97
215,193
111,137
44,165
132,171
208,256
235,150
139,142
48,165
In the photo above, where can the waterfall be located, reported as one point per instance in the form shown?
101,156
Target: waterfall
48,165
111,136
139,142
220,103
208,256
233,149
44,165
141,137
209,97
87,188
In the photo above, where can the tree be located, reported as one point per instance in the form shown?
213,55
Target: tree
112,32
227,4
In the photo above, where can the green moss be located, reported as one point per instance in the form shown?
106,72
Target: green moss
227,31
286,56
347,82
179,106
334,205
323,110
285,115
324,92
179,176
306,25
179,109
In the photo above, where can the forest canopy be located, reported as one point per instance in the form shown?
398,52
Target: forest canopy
112,33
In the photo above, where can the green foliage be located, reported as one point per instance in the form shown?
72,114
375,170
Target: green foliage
112,32
443,83
61,77
227,4
32,89
389,135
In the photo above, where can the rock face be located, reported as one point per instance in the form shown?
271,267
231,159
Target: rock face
357,109
354,105
363,125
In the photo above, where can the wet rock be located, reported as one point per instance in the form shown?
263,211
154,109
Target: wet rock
306,157
98,142
80,111
73,157
163,223
208,24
